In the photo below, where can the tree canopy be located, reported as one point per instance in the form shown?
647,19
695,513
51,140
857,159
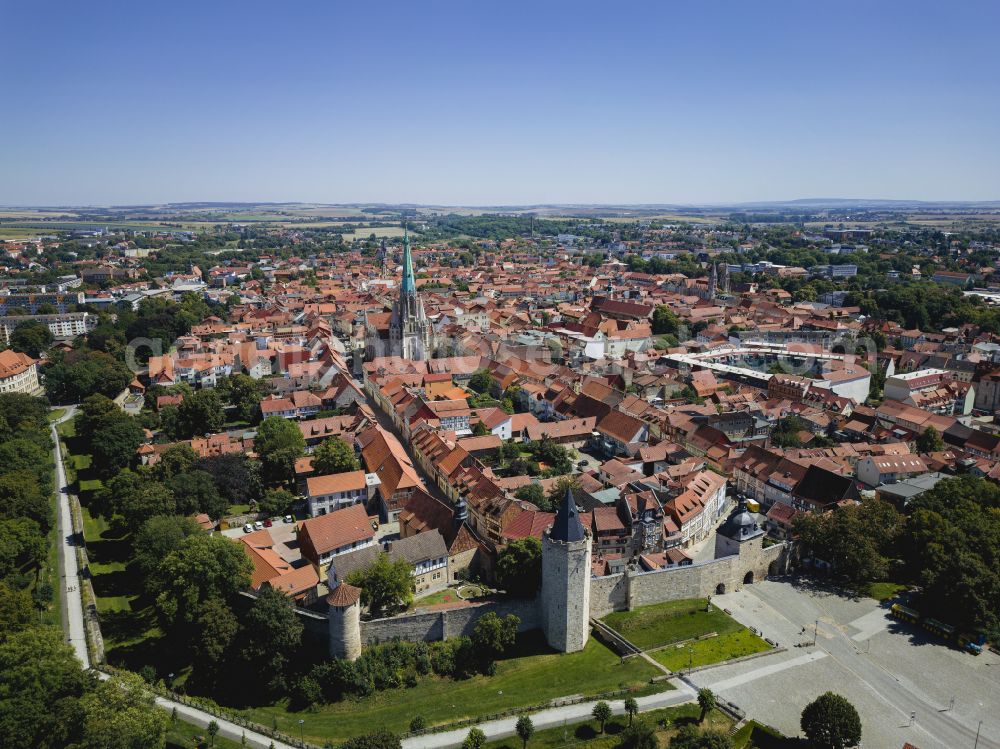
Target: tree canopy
831,722
334,455
385,584
519,567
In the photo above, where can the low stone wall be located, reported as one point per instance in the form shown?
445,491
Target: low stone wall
444,624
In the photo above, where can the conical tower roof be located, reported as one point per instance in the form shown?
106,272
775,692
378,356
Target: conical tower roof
409,281
567,525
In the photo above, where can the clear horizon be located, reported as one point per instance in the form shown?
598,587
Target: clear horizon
483,105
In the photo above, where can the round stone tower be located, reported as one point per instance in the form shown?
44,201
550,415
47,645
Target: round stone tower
344,617
565,596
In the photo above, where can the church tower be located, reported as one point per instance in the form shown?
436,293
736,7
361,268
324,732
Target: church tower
409,330
565,594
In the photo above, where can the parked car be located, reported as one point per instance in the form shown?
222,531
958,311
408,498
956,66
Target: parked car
267,523
583,464
248,528
258,525
288,519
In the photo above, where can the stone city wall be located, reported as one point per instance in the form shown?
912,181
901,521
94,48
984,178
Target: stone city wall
443,624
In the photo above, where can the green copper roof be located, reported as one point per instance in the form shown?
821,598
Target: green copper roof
409,282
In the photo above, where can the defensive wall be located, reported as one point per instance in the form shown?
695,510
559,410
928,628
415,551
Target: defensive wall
621,592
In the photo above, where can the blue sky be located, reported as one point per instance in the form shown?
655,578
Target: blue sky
485,103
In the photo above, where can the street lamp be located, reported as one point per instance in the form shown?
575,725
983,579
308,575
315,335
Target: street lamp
978,729
690,659
815,632
301,739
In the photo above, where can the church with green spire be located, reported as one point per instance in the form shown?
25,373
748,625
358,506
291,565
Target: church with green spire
405,332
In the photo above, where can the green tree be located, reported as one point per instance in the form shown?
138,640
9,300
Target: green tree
276,502
334,455
279,443
519,567
479,429
114,444
706,702
418,723
40,684
15,609
831,722
202,568
31,337
245,393
120,712
786,432
689,737
216,632
601,713
631,708
525,730
380,739
237,477
93,411
639,735
535,494
665,321
273,633
385,584
492,636
136,499
72,377
175,460
950,545
157,537
929,441
857,540
213,730
475,740
481,381
199,413
21,496
195,491
22,544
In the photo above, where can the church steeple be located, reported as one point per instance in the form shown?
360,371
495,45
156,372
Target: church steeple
409,281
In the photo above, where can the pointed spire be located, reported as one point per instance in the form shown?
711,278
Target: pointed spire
567,525
409,281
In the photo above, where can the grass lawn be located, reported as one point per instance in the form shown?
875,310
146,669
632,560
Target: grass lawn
667,722
754,734
449,595
531,679
712,650
67,430
673,621
883,591
49,573
56,413
90,485
181,735
80,462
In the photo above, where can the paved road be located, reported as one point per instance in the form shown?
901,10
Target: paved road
72,607
859,654
550,718
72,602
386,423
